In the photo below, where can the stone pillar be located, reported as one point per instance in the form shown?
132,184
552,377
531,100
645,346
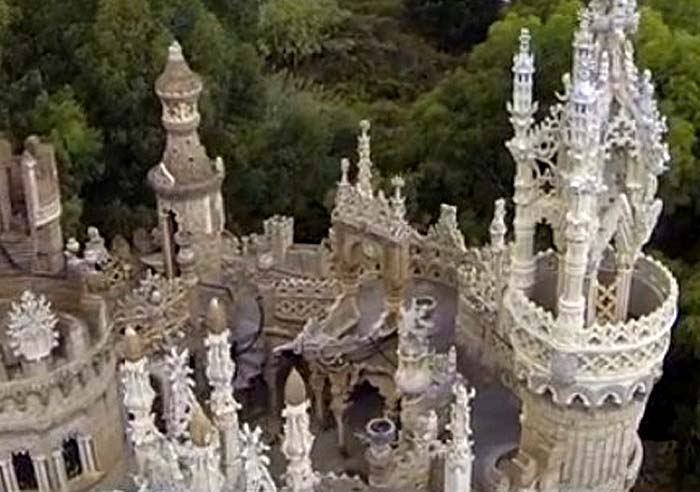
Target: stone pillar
497,231
572,301
459,457
41,469
624,286
87,454
59,466
9,478
167,243
298,439
395,275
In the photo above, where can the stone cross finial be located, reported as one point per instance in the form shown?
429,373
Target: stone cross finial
32,327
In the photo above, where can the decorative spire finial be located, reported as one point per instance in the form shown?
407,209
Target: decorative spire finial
294,389
364,172
216,316
175,52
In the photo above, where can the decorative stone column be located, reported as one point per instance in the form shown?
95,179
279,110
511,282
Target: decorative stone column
498,230
298,439
87,454
138,401
206,476
59,466
220,372
522,108
9,478
572,302
395,275
459,457
41,469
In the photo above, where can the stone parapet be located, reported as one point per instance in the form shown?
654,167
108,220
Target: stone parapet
605,360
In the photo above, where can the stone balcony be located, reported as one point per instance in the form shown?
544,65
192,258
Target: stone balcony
612,361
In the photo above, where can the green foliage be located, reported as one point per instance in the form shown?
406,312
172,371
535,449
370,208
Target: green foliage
455,25
291,159
292,30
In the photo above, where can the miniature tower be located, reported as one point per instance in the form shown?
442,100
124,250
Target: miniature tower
459,458
220,373
522,110
586,353
298,439
187,182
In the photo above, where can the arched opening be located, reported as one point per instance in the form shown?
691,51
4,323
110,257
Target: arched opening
24,471
71,458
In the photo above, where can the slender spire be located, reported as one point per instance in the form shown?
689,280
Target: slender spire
364,165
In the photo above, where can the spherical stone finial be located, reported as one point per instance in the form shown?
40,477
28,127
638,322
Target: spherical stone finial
201,428
294,389
216,316
365,126
133,346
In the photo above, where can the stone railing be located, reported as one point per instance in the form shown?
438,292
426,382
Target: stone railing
299,299
606,360
66,389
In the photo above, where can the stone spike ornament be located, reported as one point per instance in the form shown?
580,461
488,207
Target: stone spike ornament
587,358
256,462
181,403
31,327
298,439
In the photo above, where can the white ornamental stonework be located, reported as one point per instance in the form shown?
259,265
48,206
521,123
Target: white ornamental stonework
31,327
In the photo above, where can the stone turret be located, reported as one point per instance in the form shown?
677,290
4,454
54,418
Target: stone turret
586,355
187,182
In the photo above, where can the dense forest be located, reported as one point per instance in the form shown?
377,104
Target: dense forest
288,80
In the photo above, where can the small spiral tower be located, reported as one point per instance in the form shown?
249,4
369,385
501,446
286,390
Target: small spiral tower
590,319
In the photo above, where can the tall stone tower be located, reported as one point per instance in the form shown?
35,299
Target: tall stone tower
187,182
590,318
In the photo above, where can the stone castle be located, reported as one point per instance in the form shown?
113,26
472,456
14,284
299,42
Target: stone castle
383,358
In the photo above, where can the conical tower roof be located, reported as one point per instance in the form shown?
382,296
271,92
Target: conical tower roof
178,78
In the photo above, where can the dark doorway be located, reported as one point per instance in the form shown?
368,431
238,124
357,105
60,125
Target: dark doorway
157,408
71,458
24,471
172,231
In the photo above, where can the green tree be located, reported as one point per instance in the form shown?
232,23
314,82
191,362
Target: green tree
455,25
291,30
61,118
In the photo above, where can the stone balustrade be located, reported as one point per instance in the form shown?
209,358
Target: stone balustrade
606,360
